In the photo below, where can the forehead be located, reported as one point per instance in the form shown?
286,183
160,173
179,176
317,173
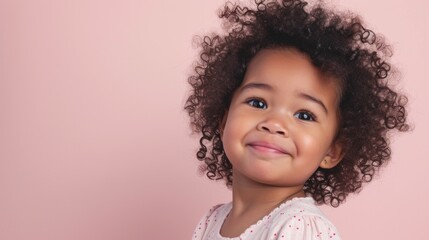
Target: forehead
279,61
286,69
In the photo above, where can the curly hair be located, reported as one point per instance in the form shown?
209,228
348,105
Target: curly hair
338,44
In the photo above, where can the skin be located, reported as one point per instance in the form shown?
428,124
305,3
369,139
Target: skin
279,128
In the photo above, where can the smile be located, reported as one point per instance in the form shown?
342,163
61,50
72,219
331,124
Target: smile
264,147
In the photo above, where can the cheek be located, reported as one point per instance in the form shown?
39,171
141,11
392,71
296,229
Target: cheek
232,131
314,144
236,125
236,128
231,144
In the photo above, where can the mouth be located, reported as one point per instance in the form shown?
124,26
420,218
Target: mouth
267,147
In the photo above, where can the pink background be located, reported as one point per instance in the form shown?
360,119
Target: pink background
94,144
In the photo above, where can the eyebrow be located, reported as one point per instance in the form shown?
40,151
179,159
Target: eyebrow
262,86
313,99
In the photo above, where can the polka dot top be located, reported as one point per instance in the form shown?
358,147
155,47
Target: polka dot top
298,218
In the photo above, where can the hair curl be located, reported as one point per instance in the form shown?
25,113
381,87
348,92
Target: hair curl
339,45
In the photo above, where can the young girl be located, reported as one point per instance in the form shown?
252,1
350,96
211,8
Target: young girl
294,106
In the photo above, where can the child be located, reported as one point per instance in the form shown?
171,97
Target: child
294,106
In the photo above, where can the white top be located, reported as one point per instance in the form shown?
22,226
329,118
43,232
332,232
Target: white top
298,218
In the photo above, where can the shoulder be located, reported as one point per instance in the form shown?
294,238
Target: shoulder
301,219
211,221
218,210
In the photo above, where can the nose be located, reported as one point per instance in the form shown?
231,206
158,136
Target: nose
272,126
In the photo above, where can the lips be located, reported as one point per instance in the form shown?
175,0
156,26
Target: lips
267,147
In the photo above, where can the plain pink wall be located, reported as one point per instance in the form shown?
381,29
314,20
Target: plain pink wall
94,144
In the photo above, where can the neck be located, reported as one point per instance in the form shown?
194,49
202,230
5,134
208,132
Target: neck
249,195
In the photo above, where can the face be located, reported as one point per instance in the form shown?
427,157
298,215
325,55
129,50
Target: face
282,121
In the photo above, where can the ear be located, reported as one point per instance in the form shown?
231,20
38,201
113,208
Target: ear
333,156
222,123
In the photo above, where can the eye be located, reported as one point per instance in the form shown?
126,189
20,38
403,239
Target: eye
257,103
305,115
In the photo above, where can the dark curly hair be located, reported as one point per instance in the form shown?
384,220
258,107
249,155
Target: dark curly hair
339,45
